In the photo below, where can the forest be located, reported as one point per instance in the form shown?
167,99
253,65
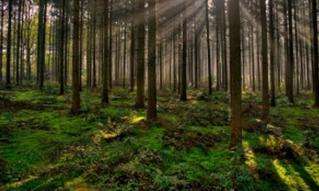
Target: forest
159,95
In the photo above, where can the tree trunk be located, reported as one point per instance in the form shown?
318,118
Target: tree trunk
76,59
8,67
272,52
184,61
151,107
124,58
18,45
110,44
41,42
1,40
315,50
61,49
290,80
265,81
235,71
132,58
210,90
140,56
105,77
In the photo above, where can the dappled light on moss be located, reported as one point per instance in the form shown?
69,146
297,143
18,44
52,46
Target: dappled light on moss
136,119
112,147
249,156
290,176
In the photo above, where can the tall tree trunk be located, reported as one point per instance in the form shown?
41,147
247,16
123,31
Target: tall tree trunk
140,55
1,39
174,64
253,58
18,45
235,71
160,59
28,46
196,57
66,51
218,78
8,66
110,44
184,58
224,48
132,58
151,106
265,82
81,43
89,54
272,52
22,49
61,46
105,73
290,88
124,58
41,42
315,50
258,61
94,48
210,90
297,72
76,58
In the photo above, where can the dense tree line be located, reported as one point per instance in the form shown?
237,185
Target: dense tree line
267,47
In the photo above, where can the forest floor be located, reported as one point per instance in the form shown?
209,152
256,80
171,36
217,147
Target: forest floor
43,147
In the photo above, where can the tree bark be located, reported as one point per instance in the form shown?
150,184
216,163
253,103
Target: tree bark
105,72
61,46
152,101
272,52
235,71
8,66
265,80
76,59
315,50
140,55
210,90
184,57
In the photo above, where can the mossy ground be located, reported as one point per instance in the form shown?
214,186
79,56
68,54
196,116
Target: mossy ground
43,147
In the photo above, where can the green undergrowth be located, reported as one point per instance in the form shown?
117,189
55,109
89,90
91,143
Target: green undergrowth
44,147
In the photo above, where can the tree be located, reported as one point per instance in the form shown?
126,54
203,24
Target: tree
151,107
61,46
41,43
8,70
184,58
140,81
235,71
272,52
1,39
290,68
315,51
264,52
132,56
105,73
110,43
18,43
76,58
208,51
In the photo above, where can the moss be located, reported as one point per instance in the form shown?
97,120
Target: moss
294,134
150,139
45,148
